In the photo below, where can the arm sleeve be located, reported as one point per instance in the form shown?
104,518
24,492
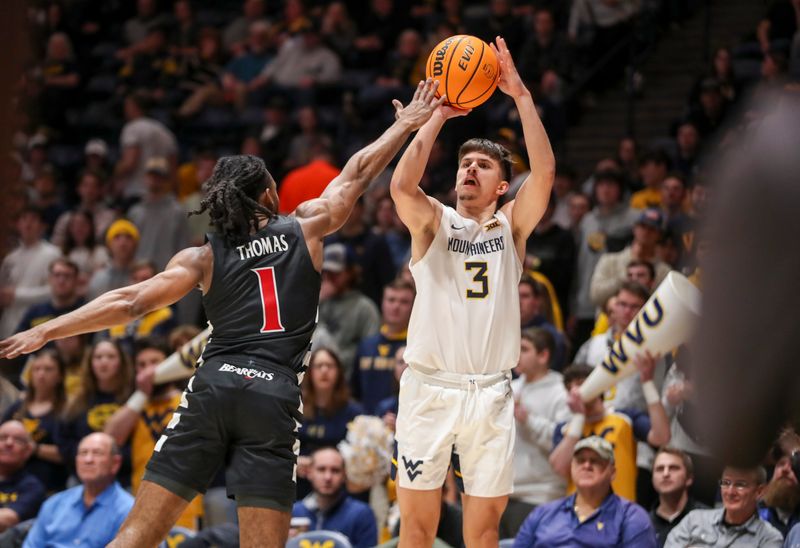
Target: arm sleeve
638,530
36,535
640,422
31,494
527,532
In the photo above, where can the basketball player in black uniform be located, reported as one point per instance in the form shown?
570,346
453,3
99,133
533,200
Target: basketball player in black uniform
260,277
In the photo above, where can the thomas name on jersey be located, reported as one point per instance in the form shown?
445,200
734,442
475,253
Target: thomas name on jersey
493,245
263,246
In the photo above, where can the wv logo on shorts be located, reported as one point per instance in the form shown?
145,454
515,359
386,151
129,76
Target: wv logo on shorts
411,468
246,372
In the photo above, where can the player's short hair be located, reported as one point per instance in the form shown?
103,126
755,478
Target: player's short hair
541,339
496,151
684,456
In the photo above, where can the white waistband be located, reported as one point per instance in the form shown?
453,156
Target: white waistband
448,379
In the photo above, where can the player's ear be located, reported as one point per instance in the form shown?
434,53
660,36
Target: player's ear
502,188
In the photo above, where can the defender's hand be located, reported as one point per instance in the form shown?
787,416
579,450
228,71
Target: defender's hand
22,343
422,106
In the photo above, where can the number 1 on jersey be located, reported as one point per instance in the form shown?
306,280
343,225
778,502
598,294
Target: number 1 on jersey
269,299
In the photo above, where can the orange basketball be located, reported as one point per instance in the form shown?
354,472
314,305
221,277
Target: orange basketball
466,68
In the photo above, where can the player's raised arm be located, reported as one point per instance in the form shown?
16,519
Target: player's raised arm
185,271
414,207
328,213
531,200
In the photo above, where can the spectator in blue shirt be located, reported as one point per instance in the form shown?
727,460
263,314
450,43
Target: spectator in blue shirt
21,493
329,507
90,514
594,515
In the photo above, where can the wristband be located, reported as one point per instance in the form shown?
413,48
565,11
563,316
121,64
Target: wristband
575,426
651,395
137,401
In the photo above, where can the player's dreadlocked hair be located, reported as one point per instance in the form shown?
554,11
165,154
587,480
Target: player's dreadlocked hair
231,193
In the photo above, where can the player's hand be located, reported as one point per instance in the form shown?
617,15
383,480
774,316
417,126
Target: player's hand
24,342
509,80
446,112
422,106
646,364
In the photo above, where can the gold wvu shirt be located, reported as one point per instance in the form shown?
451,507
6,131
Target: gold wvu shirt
618,430
152,422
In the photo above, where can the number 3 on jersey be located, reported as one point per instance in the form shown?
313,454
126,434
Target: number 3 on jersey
268,289
480,277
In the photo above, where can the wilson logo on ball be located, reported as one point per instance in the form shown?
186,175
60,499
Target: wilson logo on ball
466,68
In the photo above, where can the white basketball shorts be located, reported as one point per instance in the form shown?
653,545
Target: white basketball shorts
466,420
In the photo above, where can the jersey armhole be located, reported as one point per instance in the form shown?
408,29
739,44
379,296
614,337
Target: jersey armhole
439,230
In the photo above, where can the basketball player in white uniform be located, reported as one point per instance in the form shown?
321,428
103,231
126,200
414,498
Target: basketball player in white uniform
464,336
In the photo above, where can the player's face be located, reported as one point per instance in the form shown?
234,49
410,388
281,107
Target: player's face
669,474
327,472
590,471
479,178
106,362
44,373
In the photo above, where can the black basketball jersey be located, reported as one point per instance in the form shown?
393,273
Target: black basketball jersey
264,295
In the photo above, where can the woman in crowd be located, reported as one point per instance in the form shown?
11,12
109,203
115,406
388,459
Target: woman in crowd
106,382
39,410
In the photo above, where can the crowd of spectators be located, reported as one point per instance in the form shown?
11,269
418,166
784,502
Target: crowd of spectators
123,112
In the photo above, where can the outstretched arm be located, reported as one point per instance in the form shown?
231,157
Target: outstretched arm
527,208
188,269
326,214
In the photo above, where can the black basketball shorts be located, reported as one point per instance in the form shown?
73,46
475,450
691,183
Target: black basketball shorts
240,414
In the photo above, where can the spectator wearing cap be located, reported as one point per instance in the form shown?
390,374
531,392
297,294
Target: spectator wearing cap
36,161
160,218
122,239
780,503
603,229
142,138
611,269
348,315
736,524
96,156
89,514
594,515
653,169
621,427
91,193
23,272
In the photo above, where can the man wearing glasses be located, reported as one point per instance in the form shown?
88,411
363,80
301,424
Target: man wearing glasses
736,524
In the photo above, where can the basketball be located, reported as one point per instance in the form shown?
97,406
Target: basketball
466,68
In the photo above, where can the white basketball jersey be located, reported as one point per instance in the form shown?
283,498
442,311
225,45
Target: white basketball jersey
466,315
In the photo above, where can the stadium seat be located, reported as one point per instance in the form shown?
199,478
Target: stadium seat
319,539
